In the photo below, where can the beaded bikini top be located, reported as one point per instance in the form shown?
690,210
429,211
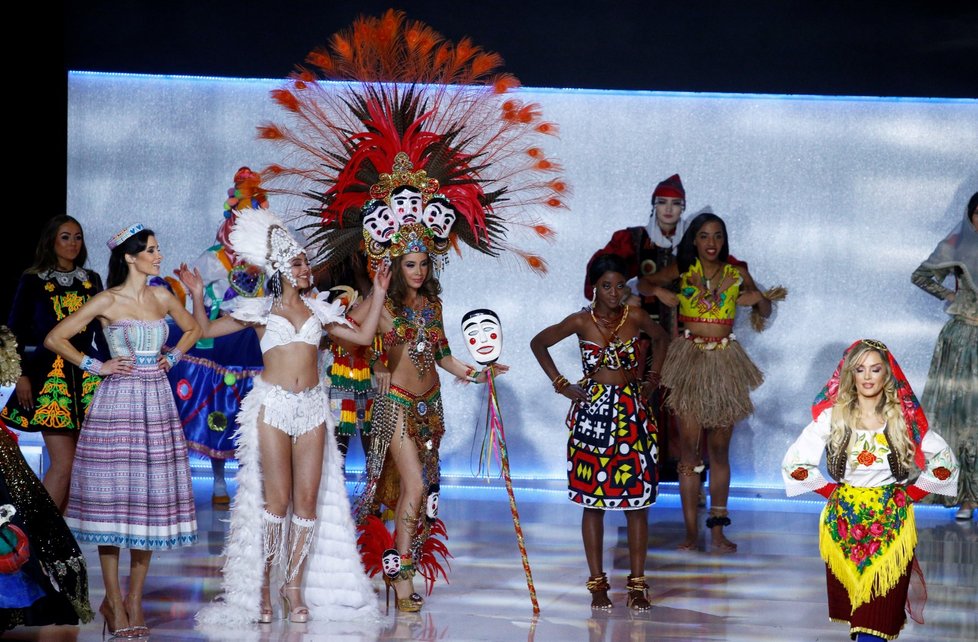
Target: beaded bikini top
421,330
709,299
279,331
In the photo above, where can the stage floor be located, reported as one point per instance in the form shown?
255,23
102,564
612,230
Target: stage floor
773,588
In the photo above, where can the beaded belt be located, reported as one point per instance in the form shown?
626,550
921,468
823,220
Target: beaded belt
709,343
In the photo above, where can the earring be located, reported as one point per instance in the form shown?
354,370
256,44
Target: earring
594,297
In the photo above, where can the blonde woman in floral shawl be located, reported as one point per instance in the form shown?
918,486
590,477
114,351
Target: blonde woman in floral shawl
874,433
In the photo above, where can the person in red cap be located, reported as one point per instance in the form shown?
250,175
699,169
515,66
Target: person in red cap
644,250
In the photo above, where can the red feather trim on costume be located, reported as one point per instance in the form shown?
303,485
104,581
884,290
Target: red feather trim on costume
433,548
286,99
373,540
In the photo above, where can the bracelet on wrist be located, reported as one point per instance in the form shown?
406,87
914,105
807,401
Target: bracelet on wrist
91,365
560,382
173,356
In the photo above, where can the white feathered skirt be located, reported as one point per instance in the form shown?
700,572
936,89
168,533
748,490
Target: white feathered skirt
335,585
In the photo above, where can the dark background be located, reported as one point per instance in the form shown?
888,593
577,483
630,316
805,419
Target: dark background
913,49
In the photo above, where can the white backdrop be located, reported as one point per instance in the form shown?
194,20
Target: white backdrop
838,199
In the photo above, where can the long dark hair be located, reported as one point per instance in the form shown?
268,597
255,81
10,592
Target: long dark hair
118,267
687,255
398,289
44,256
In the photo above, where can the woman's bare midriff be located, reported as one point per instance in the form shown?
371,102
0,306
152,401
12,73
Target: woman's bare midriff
293,367
405,375
714,330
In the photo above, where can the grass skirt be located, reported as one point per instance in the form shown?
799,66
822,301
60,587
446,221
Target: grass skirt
710,380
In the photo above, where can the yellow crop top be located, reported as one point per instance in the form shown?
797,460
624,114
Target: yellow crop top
709,301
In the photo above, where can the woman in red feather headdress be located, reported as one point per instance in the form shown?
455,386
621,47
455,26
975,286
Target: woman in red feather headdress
420,149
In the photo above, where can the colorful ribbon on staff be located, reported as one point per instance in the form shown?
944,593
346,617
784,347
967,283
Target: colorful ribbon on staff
494,447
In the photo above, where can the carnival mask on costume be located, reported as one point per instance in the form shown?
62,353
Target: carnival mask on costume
391,562
406,203
378,221
431,506
483,335
439,216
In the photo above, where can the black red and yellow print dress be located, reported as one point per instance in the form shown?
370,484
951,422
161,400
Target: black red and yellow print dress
61,391
611,451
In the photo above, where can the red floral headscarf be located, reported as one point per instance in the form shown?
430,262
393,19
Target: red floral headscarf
913,414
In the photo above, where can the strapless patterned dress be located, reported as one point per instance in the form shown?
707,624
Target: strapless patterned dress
130,483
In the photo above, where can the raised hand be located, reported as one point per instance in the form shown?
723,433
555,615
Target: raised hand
382,278
191,279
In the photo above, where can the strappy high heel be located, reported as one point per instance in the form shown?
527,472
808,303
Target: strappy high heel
638,593
599,587
138,630
300,541
298,614
265,615
123,632
411,603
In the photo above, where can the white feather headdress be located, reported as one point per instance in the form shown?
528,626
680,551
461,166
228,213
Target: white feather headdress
262,239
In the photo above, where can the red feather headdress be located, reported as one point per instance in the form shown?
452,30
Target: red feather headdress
400,88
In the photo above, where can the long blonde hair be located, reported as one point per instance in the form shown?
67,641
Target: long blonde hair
845,410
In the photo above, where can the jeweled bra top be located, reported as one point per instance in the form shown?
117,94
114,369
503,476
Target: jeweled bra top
279,331
409,323
712,300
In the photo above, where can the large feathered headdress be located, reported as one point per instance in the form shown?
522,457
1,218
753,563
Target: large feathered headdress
260,238
411,110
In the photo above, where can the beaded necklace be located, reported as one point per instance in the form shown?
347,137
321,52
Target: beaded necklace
613,343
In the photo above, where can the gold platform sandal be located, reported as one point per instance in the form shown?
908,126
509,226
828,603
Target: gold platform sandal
413,602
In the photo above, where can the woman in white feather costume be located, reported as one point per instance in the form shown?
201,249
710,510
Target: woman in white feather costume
290,512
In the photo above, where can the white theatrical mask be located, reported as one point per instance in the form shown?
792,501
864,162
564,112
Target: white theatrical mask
406,205
391,562
380,223
483,335
431,506
439,216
